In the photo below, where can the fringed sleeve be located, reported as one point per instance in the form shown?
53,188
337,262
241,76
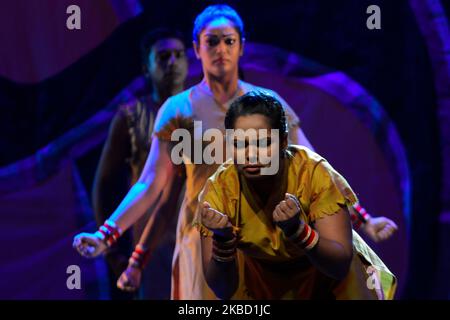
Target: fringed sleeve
329,192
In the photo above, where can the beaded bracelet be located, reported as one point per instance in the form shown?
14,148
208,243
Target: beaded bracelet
109,233
139,258
360,217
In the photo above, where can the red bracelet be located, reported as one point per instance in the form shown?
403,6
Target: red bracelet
109,232
139,258
361,217
306,237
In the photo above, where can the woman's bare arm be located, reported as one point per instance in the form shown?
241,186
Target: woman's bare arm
163,215
157,170
333,253
222,277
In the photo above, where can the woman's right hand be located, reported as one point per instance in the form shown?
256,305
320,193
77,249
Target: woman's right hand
130,279
216,221
89,245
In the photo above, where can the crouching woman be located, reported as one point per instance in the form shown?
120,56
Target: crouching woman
285,235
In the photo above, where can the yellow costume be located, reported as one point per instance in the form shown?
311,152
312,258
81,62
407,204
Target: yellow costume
270,266
179,112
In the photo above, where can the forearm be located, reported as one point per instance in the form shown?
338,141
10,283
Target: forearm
154,230
145,193
333,251
328,245
220,268
164,213
222,278
331,258
139,198
157,226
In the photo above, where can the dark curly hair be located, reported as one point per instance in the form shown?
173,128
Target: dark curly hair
258,102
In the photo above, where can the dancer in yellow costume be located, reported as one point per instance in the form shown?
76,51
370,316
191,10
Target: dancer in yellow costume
286,235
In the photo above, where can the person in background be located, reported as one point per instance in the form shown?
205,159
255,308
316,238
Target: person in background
123,158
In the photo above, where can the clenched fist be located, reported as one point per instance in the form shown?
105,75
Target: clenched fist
130,279
379,229
216,221
89,245
287,215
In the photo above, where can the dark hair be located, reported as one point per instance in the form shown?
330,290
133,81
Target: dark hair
258,102
215,12
153,36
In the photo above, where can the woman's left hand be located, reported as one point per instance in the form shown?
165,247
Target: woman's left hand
379,229
216,221
287,214
130,279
